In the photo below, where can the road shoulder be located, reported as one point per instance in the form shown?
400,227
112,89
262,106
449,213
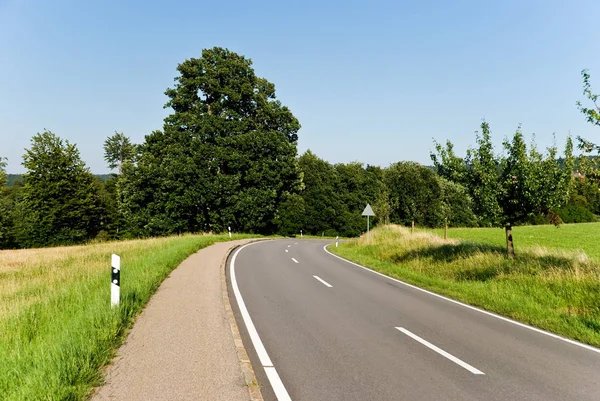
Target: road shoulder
185,345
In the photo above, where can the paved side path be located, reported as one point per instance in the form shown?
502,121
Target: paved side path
181,347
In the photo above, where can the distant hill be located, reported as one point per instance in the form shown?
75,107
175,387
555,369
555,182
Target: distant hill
15,179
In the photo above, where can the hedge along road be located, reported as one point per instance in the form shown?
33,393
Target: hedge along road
325,329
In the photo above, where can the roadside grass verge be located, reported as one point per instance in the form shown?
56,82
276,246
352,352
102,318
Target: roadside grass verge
57,329
554,289
580,236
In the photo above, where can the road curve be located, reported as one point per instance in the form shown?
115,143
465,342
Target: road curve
335,331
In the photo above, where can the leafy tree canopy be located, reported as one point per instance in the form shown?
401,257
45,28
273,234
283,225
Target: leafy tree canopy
415,193
118,150
589,165
225,156
3,179
59,204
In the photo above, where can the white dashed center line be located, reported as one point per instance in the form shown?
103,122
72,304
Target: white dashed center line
323,281
441,352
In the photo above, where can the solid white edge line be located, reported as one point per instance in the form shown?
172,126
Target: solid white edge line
295,260
276,383
440,351
323,281
540,331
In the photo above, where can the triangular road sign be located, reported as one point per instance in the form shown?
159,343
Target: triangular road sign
368,211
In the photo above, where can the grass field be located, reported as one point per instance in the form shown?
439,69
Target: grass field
547,285
584,237
56,326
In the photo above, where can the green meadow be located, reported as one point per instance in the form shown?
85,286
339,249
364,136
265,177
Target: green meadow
57,329
583,236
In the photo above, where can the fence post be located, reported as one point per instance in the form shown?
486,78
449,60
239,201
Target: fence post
510,248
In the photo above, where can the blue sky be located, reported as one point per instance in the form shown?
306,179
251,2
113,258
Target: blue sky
369,81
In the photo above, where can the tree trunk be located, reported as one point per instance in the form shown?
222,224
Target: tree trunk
510,249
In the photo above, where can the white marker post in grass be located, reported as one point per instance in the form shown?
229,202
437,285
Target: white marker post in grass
115,281
336,240
229,228
300,233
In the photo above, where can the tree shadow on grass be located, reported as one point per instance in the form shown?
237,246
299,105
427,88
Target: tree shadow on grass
493,263
448,252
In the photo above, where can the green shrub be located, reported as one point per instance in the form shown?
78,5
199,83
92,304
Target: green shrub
575,214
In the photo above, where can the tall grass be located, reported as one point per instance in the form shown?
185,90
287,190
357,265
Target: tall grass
56,326
554,289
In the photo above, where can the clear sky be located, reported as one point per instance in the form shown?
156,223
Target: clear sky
372,81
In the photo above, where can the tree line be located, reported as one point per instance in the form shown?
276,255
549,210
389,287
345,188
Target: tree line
227,157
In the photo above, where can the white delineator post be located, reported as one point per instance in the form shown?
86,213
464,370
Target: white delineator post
115,281
336,240
229,228
300,233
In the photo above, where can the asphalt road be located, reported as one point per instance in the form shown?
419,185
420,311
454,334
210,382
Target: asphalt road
350,334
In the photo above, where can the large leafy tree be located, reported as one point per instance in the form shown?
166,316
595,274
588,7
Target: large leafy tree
592,114
226,155
324,210
533,183
5,214
457,204
518,181
356,185
555,179
59,204
118,150
585,193
414,192
483,182
335,195
588,164
450,166
3,172
515,189
291,215
478,172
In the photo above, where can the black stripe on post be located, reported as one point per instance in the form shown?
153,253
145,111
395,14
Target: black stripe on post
116,276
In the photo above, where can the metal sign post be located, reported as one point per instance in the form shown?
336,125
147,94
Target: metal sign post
368,212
